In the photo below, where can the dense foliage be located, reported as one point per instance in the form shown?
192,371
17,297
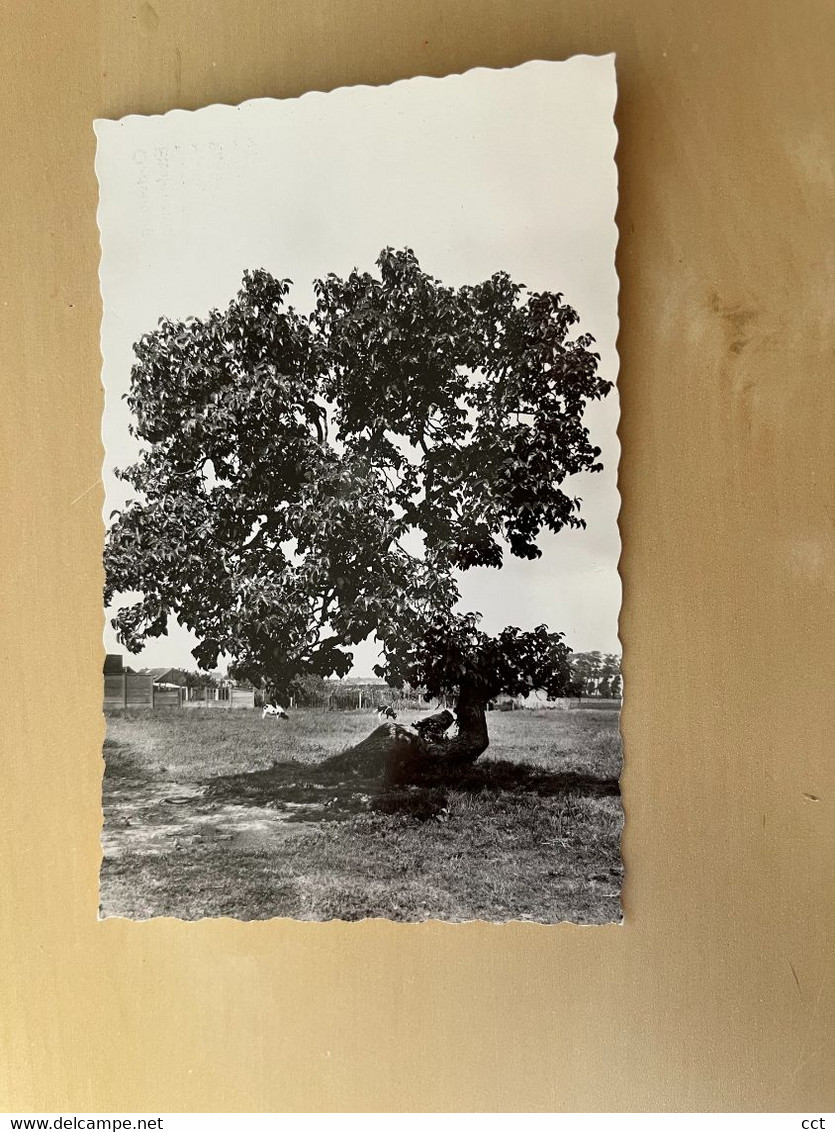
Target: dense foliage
307,481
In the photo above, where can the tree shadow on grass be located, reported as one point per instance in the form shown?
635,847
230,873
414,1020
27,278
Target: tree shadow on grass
324,792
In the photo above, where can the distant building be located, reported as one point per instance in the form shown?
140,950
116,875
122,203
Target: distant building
539,701
166,677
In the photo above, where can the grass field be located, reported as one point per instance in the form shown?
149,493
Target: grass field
213,813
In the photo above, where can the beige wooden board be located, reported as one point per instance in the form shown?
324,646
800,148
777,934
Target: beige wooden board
718,991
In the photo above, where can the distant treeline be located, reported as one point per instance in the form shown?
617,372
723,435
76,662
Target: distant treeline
596,674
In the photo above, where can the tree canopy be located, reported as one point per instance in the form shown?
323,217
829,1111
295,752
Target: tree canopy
306,481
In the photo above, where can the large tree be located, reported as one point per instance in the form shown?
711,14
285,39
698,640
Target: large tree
308,481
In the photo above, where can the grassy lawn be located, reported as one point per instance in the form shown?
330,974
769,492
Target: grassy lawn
213,813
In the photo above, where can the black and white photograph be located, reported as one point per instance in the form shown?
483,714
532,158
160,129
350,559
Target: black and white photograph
361,504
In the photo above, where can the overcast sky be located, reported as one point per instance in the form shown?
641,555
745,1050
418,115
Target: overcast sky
491,170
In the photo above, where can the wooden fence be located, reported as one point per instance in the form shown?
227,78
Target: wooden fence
136,690
223,698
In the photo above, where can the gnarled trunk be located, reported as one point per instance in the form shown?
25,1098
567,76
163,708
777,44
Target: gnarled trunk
471,738
396,753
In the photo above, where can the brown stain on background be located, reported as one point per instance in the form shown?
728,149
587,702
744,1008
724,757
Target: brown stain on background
716,994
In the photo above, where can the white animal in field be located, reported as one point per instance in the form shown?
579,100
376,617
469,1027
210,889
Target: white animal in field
386,712
275,710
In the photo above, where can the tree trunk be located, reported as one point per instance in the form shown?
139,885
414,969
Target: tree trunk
397,754
471,738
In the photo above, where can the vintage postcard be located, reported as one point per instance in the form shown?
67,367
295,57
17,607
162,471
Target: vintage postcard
361,510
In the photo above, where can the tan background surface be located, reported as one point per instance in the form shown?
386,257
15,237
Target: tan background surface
717,993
